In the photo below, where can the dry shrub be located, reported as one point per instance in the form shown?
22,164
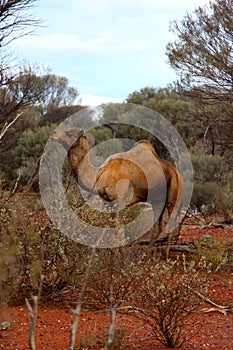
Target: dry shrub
10,262
30,245
164,297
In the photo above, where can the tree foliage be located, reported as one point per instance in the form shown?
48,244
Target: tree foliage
202,55
56,92
168,103
32,95
18,88
31,144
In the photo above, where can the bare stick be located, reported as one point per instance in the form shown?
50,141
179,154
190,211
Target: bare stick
7,126
33,315
77,310
111,328
32,322
17,182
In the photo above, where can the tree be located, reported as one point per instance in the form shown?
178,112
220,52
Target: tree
27,97
141,96
31,144
202,55
19,88
15,82
168,103
57,92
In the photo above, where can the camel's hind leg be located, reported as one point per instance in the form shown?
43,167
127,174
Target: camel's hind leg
175,232
156,231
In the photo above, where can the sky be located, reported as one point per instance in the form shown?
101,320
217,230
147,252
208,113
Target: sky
106,48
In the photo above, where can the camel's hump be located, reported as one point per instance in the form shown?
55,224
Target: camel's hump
147,145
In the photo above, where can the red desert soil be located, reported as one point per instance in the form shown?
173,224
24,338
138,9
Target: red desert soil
54,320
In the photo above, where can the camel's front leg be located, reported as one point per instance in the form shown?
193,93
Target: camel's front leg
120,235
124,195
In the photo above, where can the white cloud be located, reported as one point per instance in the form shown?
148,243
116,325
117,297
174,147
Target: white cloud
93,101
131,7
62,41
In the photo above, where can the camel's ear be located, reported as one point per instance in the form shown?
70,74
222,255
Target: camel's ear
80,133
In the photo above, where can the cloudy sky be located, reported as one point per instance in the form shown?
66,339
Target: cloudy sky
106,48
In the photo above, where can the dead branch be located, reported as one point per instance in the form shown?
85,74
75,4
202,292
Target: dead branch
215,307
111,328
213,225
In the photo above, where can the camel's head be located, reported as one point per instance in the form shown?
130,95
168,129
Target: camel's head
68,138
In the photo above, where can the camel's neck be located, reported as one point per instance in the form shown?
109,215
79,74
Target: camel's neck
84,171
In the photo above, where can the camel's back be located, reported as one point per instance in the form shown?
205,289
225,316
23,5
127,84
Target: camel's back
142,152
139,165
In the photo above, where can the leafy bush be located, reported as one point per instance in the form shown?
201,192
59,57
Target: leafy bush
31,144
212,182
214,253
213,197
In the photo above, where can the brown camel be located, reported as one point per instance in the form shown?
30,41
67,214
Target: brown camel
126,178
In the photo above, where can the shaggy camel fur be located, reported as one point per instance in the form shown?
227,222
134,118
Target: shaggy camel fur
126,178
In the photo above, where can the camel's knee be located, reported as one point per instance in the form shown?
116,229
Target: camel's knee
156,231
172,236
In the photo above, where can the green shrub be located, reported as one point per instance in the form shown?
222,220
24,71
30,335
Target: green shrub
214,253
213,180
214,197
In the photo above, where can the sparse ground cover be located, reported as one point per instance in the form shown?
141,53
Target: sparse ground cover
55,316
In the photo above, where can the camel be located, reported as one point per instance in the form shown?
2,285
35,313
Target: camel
126,178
